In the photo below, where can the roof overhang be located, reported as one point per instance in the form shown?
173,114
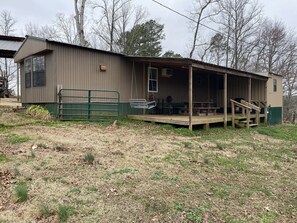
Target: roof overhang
185,63
9,45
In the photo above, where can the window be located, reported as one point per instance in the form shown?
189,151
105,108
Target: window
28,71
35,69
274,85
152,79
38,71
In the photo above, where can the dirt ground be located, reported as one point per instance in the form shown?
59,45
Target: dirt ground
10,102
143,173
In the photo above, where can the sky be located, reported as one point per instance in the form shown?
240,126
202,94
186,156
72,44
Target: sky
177,29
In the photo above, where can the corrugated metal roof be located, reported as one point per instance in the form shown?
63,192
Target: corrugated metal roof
9,45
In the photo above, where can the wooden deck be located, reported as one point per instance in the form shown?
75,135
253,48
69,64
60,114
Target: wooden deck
184,120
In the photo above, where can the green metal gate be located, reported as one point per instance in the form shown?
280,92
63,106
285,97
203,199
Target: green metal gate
88,105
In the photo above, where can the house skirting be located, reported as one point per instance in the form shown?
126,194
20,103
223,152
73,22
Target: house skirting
275,115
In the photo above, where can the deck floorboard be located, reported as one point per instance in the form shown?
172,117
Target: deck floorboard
184,120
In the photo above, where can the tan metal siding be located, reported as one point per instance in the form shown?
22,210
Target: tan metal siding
30,47
258,90
238,88
175,86
44,94
275,99
80,69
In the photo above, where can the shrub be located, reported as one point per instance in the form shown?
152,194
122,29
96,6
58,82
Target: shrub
39,112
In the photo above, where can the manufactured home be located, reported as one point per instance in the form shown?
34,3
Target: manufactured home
76,82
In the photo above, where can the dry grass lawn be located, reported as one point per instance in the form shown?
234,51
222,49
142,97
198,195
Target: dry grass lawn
138,172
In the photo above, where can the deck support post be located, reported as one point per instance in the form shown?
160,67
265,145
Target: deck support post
190,97
250,90
225,99
144,85
233,114
249,100
206,126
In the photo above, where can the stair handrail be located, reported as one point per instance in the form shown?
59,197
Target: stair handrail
244,106
252,106
240,104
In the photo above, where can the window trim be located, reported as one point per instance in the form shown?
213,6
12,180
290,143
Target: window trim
149,79
29,74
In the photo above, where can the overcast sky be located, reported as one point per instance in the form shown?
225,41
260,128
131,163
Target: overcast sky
43,12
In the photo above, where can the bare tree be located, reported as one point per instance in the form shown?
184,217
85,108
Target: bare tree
79,6
130,17
110,14
240,21
199,16
7,66
66,28
46,32
288,69
7,23
63,29
273,45
275,52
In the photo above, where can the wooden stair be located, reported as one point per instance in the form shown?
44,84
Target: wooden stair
241,122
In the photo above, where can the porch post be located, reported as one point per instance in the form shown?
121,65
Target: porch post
190,97
225,99
144,90
265,104
18,82
249,100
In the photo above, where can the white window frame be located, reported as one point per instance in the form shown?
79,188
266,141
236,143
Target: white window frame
149,79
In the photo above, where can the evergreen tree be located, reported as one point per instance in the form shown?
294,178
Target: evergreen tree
143,40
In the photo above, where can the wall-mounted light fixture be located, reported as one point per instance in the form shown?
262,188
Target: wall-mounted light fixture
103,68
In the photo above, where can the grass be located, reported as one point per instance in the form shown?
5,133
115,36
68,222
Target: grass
33,154
156,206
42,145
268,217
21,192
3,158
192,214
280,132
123,171
89,158
45,211
4,128
39,112
152,173
16,139
64,212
